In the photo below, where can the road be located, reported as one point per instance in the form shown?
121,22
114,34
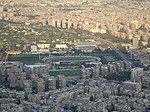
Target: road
9,22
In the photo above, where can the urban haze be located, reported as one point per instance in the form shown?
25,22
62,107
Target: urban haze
74,55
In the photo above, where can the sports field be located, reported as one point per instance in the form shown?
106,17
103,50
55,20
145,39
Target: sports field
106,56
25,58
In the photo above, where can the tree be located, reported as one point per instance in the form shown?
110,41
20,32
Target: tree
112,107
57,84
119,92
148,45
91,75
92,98
73,108
3,52
18,101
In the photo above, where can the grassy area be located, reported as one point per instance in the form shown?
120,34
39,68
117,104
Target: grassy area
17,88
64,72
98,54
112,38
102,54
25,58
29,34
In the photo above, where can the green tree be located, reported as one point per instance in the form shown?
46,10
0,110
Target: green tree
148,43
92,98
73,108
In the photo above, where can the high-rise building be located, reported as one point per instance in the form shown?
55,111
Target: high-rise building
54,23
136,73
12,80
135,42
96,69
3,74
104,70
21,78
62,81
40,85
37,69
51,83
127,65
120,66
1,9
59,23
27,85
112,68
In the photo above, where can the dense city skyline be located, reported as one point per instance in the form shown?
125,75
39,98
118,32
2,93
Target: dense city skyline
74,56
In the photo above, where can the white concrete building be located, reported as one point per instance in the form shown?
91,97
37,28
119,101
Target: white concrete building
61,46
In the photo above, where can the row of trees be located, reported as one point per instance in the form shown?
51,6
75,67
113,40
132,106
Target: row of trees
122,76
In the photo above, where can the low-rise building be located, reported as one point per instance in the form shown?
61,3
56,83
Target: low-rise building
86,47
136,86
15,52
61,46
